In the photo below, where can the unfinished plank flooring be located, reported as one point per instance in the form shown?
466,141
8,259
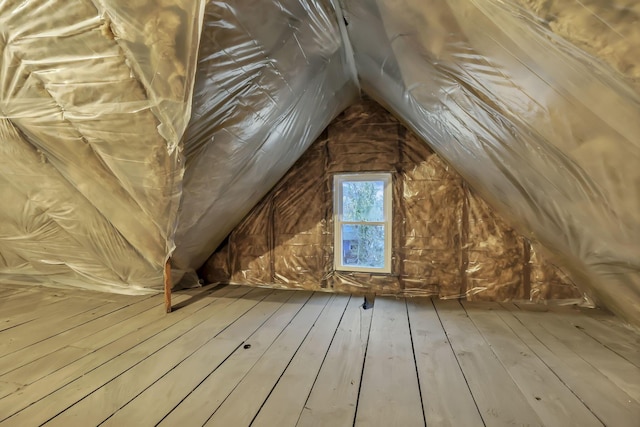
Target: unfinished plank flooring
241,356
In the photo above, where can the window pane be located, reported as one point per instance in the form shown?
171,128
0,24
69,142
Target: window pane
363,245
363,201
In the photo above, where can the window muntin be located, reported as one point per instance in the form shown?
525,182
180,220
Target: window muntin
362,221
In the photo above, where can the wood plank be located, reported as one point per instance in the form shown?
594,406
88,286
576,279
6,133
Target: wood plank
111,395
146,409
389,392
292,390
554,403
40,302
610,320
500,401
8,386
625,343
35,362
610,404
115,340
67,316
40,368
622,373
142,319
30,308
23,357
220,379
20,299
244,402
32,305
62,391
446,397
334,395
612,331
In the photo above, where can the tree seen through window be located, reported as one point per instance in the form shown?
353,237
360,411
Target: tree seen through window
362,244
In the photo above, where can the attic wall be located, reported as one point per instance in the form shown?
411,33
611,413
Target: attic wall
94,98
546,132
446,241
270,77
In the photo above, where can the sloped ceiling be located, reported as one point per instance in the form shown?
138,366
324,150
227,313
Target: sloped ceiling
534,102
267,84
89,166
546,132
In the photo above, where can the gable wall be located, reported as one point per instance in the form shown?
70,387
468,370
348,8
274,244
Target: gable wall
446,241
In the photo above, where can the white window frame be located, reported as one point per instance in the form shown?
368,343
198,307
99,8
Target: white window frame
338,180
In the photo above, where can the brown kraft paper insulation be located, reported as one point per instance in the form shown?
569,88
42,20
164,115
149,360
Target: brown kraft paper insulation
446,241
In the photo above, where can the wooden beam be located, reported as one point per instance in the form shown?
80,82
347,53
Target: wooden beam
167,286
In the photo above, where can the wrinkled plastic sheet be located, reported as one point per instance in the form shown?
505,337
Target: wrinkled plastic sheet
446,241
535,103
271,76
122,84
541,129
94,98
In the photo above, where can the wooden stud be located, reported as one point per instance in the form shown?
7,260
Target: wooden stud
167,286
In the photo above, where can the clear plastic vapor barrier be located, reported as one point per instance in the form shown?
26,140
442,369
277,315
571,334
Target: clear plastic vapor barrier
271,76
445,241
134,131
538,116
94,98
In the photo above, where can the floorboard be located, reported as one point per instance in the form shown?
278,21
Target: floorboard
625,345
446,396
72,383
24,357
334,394
621,339
68,315
490,383
27,309
546,394
241,356
180,381
616,368
220,379
389,393
294,386
137,375
616,409
110,342
246,399
44,358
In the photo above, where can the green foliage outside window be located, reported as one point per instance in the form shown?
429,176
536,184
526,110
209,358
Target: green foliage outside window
363,201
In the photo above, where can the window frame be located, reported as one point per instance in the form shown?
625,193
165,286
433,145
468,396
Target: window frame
338,180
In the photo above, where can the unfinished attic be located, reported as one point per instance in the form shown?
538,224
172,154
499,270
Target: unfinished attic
319,213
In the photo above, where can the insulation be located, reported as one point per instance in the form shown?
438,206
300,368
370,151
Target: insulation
446,241
534,103
606,29
271,76
94,98
542,130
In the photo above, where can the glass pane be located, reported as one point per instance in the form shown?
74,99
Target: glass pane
363,245
363,201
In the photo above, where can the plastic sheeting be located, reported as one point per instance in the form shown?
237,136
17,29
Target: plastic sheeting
94,98
446,241
271,76
532,101
543,131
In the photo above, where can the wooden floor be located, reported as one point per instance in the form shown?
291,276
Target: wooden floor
239,356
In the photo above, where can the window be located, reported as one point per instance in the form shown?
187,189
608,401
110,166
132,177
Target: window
362,221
